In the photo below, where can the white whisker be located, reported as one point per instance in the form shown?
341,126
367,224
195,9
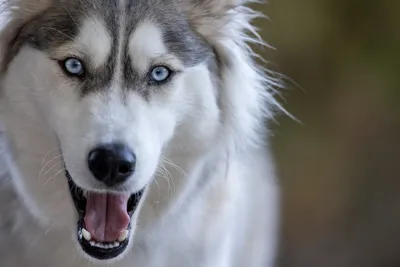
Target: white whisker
47,164
54,176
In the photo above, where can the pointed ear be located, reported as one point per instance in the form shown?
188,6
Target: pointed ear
208,17
14,14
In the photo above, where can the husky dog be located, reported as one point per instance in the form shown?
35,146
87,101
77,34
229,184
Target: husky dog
134,135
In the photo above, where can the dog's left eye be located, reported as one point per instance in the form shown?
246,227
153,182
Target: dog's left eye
160,74
73,67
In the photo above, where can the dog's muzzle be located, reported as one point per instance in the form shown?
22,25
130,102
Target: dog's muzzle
104,222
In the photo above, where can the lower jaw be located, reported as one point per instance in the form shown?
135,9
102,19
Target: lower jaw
101,250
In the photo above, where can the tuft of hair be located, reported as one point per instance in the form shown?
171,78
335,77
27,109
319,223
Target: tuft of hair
13,15
247,89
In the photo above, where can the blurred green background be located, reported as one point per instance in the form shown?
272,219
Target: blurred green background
340,169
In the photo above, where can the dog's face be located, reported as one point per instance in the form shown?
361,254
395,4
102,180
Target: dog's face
107,88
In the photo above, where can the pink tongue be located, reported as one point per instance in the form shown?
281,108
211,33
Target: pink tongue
106,216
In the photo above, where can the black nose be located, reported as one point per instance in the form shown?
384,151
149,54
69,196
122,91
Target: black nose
112,164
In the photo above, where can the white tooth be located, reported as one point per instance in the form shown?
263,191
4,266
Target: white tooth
92,243
86,234
116,244
85,194
123,236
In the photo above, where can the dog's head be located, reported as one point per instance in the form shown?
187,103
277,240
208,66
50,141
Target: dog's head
109,88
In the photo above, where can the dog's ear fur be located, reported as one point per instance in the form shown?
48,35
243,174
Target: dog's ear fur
208,17
14,14
246,95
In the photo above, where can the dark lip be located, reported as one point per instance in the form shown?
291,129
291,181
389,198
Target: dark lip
80,205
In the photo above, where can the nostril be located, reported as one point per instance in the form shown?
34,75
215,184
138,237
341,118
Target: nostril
125,168
99,163
112,164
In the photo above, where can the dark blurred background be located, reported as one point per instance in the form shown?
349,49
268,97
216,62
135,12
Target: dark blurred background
340,169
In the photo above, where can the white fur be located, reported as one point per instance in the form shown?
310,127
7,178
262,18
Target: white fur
146,46
212,199
95,41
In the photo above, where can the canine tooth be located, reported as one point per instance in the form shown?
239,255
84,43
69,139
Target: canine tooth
92,243
86,234
116,244
123,236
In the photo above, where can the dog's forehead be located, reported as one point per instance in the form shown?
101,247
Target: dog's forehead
93,23
113,37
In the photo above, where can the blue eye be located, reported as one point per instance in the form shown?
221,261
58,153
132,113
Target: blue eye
73,67
160,74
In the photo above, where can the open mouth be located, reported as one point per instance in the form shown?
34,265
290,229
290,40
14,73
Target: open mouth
104,226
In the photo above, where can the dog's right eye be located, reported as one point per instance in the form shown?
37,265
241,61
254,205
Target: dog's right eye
73,67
